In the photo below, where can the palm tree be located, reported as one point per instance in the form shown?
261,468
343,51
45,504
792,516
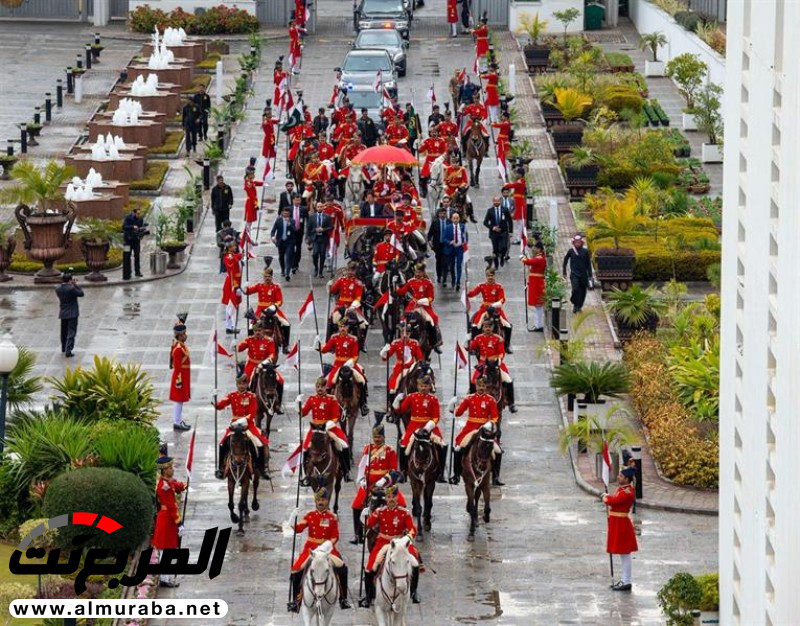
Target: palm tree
571,103
37,187
617,220
653,41
616,432
22,386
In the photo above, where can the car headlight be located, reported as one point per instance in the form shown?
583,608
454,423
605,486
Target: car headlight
398,56
364,24
401,24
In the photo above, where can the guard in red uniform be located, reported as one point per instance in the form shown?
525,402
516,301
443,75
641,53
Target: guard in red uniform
481,408
481,35
325,413
433,147
322,525
455,178
383,189
278,76
452,17
300,12
270,295
295,43
345,152
447,128
490,346
393,521
180,390
399,228
232,287
406,352
621,534
268,126
345,350
492,295
261,347
297,135
391,114
422,294
324,149
315,175
244,407
475,113
334,210
503,133
344,132
166,533
251,203
423,408
492,98
349,291
537,265
519,189
396,133
384,253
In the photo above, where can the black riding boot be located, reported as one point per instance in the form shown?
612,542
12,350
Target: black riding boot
414,584
436,339
358,527
496,471
402,461
286,331
341,574
223,454
344,461
296,579
279,403
423,187
261,462
442,464
304,481
470,211
509,387
456,477
507,340
364,396
369,590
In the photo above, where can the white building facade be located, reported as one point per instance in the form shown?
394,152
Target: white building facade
759,538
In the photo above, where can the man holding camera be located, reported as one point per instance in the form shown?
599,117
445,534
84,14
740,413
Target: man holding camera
133,229
68,293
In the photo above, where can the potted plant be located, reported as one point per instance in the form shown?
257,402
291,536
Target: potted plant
96,50
572,104
635,309
592,434
34,130
536,55
159,258
7,162
591,383
678,597
653,41
709,121
45,225
566,17
580,171
95,238
176,242
7,246
709,603
688,73
522,151
617,220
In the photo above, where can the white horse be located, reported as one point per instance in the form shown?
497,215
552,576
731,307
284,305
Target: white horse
394,583
435,183
355,184
320,587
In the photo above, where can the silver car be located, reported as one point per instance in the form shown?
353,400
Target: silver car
360,67
363,97
383,14
385,39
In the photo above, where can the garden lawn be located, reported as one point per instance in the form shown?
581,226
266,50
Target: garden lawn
153,177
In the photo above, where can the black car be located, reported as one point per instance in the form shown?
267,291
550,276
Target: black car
383,14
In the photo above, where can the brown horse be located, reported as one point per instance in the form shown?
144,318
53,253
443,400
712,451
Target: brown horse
476,468
269,320
475,151
494,384
240,470
265,385
348,395
408,384
423,468
321,465
418,329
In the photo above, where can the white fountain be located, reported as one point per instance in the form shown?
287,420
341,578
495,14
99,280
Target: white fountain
99,150
127,113
157,61
174,36
93,178
83,189
142,87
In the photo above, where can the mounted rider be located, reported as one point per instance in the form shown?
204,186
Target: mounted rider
474,113
384,253
407,354
433,147
244,406
315,175
424,410
422,294
447,128
455,177
397,133
494,297
270,296
350,292
489,346
481,409
325,413
260,348
393,522
322,525
345,350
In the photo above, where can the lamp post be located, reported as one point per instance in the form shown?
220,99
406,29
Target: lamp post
9,355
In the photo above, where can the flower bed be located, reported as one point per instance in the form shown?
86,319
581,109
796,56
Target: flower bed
153,177
219,20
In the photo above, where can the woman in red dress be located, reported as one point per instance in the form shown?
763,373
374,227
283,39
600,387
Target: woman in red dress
519,189
181,365
536,264
251,203
268,145
481,35
232,287
621,534
168,518
452,17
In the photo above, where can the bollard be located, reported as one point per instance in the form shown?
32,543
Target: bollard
555,318
10,147
23,138
221,136
48,107
512,79
97,39
88,56
59,93
636,455
206,174
252,51
70,81
79,61
37,115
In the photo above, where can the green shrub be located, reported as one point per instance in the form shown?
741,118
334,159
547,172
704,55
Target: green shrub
13,503
199,80
170,145
153,177
130,447
105,491
678,597
709,583
620,97
217,20
210,62
21,264
618,59
689,20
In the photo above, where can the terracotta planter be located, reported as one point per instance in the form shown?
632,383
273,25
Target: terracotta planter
173,251
33,133
6,252
96,255
47,238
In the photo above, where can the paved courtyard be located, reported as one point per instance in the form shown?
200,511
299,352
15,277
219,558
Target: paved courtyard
540,561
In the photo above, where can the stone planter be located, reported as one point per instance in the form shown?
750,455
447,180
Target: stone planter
688,121
33,133
95,254
174,73
175,253
581,180
537,58
158,262
146,132
47,238
165,102
654,68
124,169
711,153
7,163
614,270
566,137
6,253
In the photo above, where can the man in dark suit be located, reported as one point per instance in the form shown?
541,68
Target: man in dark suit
221,202
285,200
366,126
132,229
436,240
500,223
190,120
320,123
370,208
282,236
580,271
68,293
299,215
203,102
318,234
456,239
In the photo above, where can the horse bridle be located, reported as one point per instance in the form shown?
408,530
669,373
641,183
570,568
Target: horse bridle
483,463
387,565
414,456
238,474
314,584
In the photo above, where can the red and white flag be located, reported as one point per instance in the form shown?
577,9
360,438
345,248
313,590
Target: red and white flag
466,255
460,357
465,299
287,100
475,65
462,77
383,300
387,99
215,344
267,170
431,95
523,238
307,308
502,166
190,456
245,240
292,463
606,470
293,356
378,81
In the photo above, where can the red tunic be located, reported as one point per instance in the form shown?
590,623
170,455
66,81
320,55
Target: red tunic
455,177
384,252
519,190
503,135
278,76
180,389
407,352
325,151
390,114
488,347
621,535
258,350
397,135
399,230
452,12
348,290
447,128
165,533
323,409
300,12
475,110
344,348
251,203
423,408
315,173
233,278
432,148
268,145
481,407
490,293
420,288
383,190
381,461
269,294
295,48
242,405
321,527
536,268
481,34
336,213
391,523
344,132
492,92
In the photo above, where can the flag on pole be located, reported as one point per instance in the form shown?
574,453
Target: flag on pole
293,356
292,463
378,81
465,300
267,170
216,345
362,468
286,99
462,76
307,308
294,117
431,96
502,166
460,357
245,240
387,99
466,256
606,471
523,239
475,65
190,456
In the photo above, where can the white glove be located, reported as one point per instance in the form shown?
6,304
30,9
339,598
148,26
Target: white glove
423,302
385,351
497,305
364,515
317,343
300,399
397,400
451,406
356,304
246,286
522,257
293,517
362,483
180,530
239,291
328,284
272,308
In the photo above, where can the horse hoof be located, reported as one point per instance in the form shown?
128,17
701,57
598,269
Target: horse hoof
427,527
234,518
256,505
247,517
471,537
240,532
486,518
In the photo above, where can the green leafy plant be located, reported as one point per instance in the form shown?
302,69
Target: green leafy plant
533,27
566,17
37,187
637,306
580,332
709,583
591,380
618,59
94,230
695,371
678,597
653,41
522,148
571,103
22,384
688,72
129,447
617,220
591,432
162,225
707,112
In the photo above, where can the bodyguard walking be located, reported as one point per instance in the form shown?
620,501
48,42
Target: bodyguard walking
190,119
221,203
499,221
283,236
203,102
580,271
319,229
68,293
132,231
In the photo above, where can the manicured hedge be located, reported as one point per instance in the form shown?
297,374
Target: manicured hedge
170,145
153,177
218,20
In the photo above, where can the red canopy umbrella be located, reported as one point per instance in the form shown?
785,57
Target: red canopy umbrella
385,155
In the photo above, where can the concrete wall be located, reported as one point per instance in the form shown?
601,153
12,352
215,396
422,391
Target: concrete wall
545,9
648,18
190,5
